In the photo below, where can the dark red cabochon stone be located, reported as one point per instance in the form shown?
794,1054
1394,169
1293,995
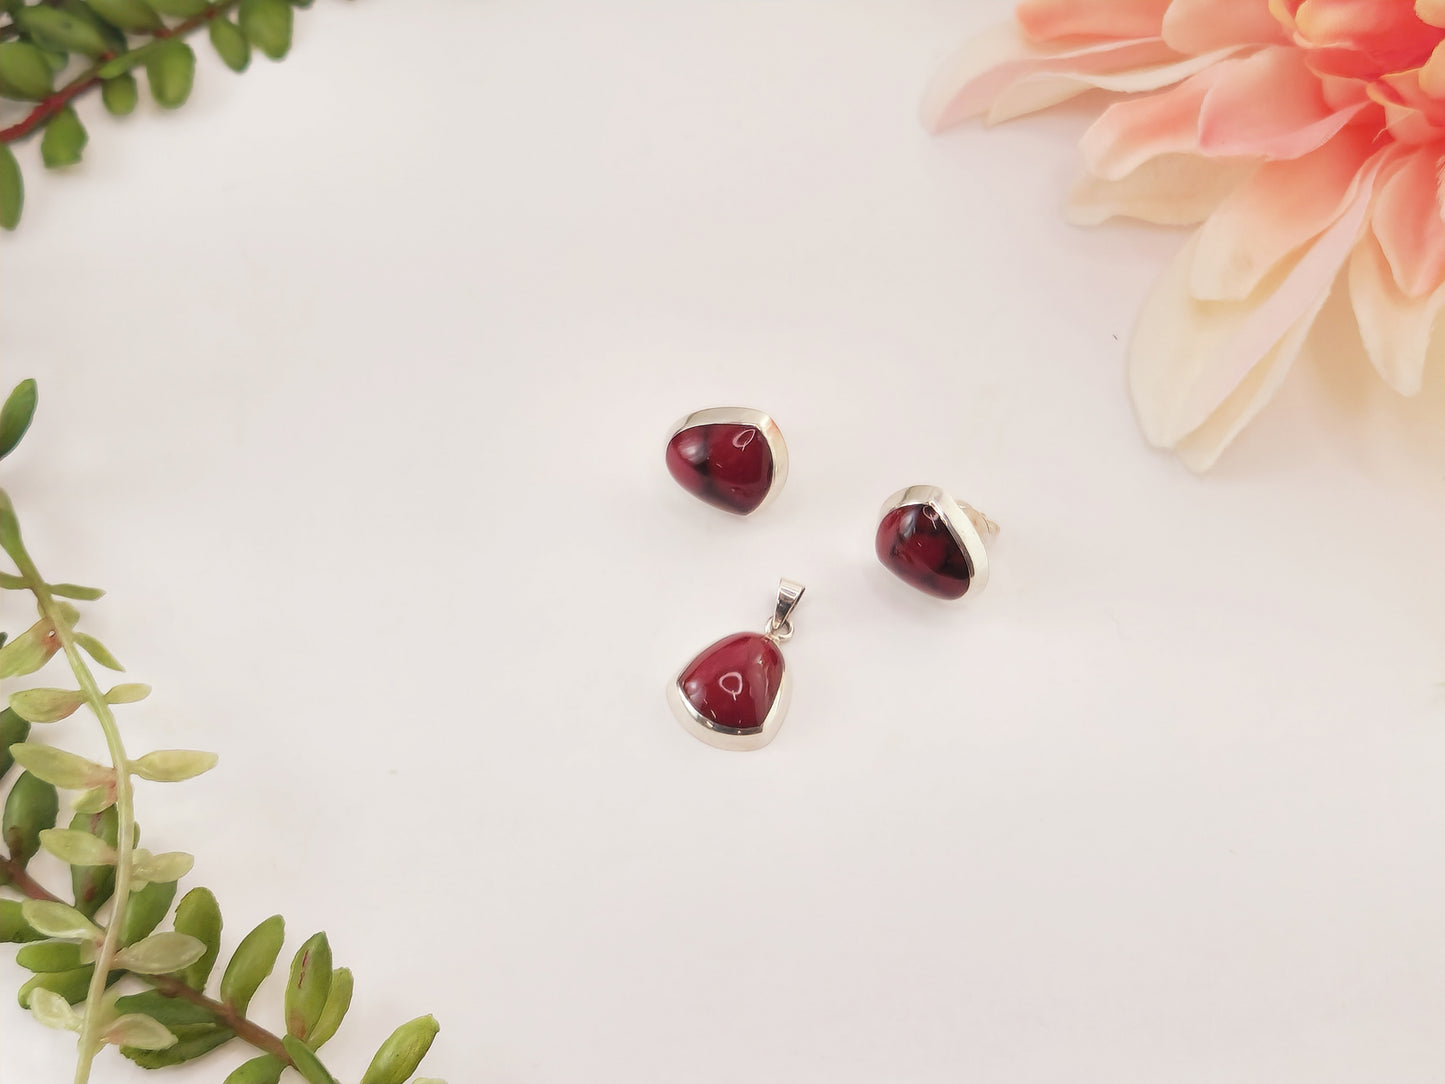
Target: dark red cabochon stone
734,682
915,543
729,466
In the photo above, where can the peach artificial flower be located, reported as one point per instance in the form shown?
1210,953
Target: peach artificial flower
1308,138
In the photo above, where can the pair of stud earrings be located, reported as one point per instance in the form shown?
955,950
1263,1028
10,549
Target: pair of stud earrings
734,694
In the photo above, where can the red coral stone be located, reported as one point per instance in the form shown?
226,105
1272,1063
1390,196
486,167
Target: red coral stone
733,683
729,466
914,543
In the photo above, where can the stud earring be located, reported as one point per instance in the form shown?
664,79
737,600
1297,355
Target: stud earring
731,457
735,693
933,542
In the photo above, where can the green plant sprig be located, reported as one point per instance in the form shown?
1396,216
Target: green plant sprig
79,959
100,43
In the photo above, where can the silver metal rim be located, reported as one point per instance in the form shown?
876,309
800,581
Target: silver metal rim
955,515
737,741
760,421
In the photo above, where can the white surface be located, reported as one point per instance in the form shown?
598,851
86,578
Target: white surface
354,377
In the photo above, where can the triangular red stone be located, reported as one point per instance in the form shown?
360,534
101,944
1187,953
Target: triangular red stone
915,544
733,683
728,466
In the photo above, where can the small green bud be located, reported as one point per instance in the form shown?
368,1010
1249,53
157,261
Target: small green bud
171,1011
199,915
255,957
13,731
13,927
77,848
134,16
93,885
230,44
139,1032
305,1061
58,29
24,71
173,765
402,1053
63,141
308,986
51,956
29,810
145,910
128,693
267,25
115,40
171,69
12,189
170,866
338,1000
53,1011
16,415
45,705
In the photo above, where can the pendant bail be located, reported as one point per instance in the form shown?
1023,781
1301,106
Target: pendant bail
779,626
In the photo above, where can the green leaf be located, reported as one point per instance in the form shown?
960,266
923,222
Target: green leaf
24,71
13,731
76,848
114,38
98,651
146,909
95,800
160,954
230,44
74,590
136,1032
93,885
171,69
133,16
128,693
55,919
56,59
400,1055
267,25
45,705
193,1041
263,1070
128,61
29,651
180,9
171,1011
199,915
63,141
52,1011
120,95
338,1000
253,961
29,810
51,956
54,28
170,866
12,189
306,1062
16,414
65,770
13,927
71,985
308,985
173,765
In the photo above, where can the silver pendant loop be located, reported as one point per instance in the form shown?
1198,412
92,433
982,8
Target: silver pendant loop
779,627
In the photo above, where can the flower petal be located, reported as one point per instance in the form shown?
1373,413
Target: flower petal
1284,205
1396,329
1043,20
1234,119
1406,220
1043,89
1189,356
1131,132
1198,26
968,81
1170,190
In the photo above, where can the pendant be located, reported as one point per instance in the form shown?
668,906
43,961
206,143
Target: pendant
734,694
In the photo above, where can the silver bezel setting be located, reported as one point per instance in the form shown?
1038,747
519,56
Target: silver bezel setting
721,737
958,517
760,421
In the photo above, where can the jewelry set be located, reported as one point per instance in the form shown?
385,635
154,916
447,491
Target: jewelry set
734,694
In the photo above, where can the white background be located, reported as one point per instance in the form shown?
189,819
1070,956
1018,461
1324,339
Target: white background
355,378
